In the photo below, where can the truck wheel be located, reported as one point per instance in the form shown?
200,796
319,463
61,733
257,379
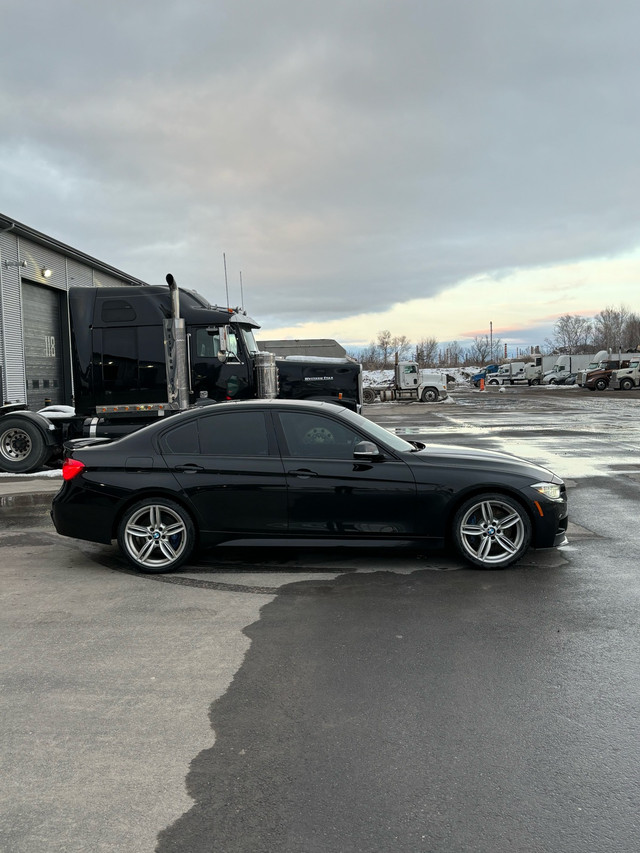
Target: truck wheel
491,531
368,395
601,384
156,535
493,382
429,395
535,382
22,447
626,384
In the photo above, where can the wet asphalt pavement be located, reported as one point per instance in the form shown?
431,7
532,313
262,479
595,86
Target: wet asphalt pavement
366,701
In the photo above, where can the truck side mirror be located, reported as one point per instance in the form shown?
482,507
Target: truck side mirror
223,350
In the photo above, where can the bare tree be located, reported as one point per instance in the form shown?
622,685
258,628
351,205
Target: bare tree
481,350
451,356
384,343
571,334
608,328
426,352
400,345
631,333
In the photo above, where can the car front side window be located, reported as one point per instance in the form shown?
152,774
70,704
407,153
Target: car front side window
315,435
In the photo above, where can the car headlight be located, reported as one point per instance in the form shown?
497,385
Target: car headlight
549,490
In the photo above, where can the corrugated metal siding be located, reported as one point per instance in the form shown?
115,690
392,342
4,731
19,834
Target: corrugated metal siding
38,259
102,279
12,345
79,275
65,272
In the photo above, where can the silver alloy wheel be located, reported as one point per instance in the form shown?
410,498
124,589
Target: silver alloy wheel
492,531
429,395
15,445
155,536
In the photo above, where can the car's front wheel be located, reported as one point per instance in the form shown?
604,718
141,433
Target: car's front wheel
492,531
156,535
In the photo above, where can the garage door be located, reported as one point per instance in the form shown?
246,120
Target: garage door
42,331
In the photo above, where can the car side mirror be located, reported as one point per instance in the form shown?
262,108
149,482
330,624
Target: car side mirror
367,450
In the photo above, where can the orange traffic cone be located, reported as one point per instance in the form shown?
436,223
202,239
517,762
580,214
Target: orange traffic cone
482,384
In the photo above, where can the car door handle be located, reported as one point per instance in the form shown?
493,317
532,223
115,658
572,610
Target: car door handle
303,473
189,468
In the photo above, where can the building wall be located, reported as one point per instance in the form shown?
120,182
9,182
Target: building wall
66,272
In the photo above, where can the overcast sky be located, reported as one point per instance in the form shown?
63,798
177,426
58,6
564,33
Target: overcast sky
426,166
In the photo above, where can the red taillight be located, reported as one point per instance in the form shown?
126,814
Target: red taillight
71,468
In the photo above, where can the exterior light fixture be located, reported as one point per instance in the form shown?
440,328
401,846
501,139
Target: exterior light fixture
8,264
46,272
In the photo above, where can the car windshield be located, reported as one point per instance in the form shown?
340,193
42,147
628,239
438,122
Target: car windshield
380,433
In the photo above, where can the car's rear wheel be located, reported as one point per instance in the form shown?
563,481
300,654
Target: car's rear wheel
492,531
156,535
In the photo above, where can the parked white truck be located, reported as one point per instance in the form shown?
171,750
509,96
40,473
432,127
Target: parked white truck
409,383
528,372
597,376
627,377
566,364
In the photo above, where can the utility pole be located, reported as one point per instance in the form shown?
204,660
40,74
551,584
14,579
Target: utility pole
491,339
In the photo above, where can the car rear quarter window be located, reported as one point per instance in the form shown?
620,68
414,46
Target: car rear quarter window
234,434
182,439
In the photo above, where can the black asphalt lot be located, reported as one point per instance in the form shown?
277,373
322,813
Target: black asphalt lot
359,701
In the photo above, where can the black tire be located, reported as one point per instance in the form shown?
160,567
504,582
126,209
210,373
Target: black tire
156,535
429,395
601,384
368,395
491,531
22,446
493,382
626,384
535,382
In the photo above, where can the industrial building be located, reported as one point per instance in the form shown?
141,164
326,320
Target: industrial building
36,272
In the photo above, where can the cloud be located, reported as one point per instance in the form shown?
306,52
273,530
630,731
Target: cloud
346,156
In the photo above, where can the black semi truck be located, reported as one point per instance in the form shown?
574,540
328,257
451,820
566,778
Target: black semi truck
138,353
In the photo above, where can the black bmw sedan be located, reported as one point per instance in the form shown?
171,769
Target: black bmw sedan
265,471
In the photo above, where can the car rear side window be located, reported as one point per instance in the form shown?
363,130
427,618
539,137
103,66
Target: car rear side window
234,434
182,439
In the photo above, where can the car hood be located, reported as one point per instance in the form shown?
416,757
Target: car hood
467,457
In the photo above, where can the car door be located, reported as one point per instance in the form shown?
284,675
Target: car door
332,494
227,464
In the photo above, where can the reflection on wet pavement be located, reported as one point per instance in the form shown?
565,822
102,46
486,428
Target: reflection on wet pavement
577,437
